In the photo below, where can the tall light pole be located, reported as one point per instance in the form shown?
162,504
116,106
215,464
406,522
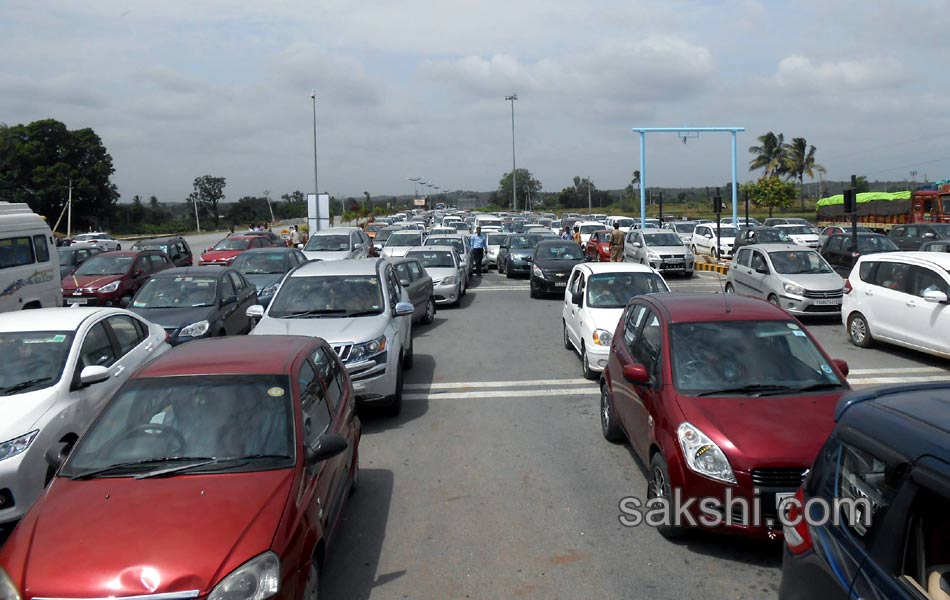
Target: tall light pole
416,181
514,171
316,182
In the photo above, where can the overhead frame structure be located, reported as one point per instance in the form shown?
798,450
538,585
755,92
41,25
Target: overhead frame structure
683,130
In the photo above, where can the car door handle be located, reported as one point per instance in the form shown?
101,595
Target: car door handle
911,303
149,347
119,370
868,293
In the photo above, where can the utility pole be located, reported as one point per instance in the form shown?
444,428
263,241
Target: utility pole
316,182
69,209
514,169
590,209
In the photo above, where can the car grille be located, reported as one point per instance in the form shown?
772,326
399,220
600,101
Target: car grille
824,294
343,351
824,308
779,477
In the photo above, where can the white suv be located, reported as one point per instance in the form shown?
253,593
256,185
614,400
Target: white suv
900,298
359,308
703,240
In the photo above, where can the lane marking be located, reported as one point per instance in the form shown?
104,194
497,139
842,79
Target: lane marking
503,394
505,288
887,380
899,370
461,385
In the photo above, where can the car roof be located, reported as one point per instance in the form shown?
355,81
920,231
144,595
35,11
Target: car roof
652,230
50,319
242,236
687,307
356,266
431,248
781,248
157,240
127,253
937,259
786,225
207,270
334,230
239,354
607,267
270,250
581,223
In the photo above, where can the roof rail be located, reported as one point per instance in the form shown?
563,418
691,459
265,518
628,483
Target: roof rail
852,398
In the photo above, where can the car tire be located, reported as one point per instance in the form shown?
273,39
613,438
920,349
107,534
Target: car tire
689,274
508,274
658,486
430,311
608,419
773,299
585,365
567,340
409,358
534,292
118,247
500,270
311,589
859,333
395,401
729,289
463,287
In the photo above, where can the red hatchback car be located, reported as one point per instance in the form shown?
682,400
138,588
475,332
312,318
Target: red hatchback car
722,397
597,247
220,471
225,251
107,278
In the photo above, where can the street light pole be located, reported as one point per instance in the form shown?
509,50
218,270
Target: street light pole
316,182
514,169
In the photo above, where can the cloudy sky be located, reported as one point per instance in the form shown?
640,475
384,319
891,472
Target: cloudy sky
416,88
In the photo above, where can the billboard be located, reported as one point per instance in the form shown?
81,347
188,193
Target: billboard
419,202
318,205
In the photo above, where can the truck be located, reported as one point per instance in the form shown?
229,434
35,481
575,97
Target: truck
882,211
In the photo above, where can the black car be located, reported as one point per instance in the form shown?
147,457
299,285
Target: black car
266,267
516,253
883,478
553,261
912,237
935,246
70,257
175,247
413,276
197,302
760,235
839,251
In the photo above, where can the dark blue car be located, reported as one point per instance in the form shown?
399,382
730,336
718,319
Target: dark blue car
266,267
884,476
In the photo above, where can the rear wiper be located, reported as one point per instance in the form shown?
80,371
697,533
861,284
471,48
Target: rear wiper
315,313
136,463
24,385
754,389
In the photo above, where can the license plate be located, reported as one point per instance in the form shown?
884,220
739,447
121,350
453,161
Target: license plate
828,301
781,497
76,301
560,284
675,265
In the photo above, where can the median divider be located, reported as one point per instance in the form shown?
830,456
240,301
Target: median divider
721,268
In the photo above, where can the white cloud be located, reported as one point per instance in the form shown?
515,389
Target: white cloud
798,73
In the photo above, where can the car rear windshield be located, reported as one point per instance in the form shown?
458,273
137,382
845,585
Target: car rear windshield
329,243
383,234
614,290
177,292
32,360
105,265
684,227
559,252
243,421
797,230
662,239
591,228
232,244
434,258
263,263
523,242
755,358
404,239
455,242
795,262
496,239
772,235
328,296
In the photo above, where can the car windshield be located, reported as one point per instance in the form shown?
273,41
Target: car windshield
32,360
772,235
243,419
460,226
794,262
756,358
456,243
328,243
942,230
662,239
232,244
433,258
726,231
684,227
559,252
177,292
523,242
871,244
383,234
496,239
263,263
797,230
328,296
66,256
105,264
91,237
585,229
404,239
623,222
614,290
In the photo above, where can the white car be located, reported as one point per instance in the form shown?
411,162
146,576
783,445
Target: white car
800,234
30,273
103,241
399,242
661,249
59,367
594,300
684,229
900,298
338,243
625,223
494,241
704,240
587,228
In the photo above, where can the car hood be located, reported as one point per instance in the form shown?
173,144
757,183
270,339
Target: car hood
175,318
264,280
440,273
668,249
19,413
808,238
819,282
121,537
396,250
333,330
557,266
220,254
605,318
326,254
72,282
769,431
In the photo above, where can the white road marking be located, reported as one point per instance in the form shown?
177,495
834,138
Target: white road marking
899,370
501,288
462,385
888,380
504,394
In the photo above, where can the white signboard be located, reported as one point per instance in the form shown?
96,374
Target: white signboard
313,203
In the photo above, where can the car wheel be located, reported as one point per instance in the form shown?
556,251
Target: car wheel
463,288
409,358
430,311
118,247
730,289
585,365
689,273
501,271
508,274
567,340
659,487
608,421
774,300
395,401
311,589
534,292
858,331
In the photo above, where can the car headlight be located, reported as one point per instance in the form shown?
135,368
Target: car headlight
16,446
602,337
703,455
795,290
8,591
450,280
367,349
653,255
269,290
537,271
195,329
257,579
109,287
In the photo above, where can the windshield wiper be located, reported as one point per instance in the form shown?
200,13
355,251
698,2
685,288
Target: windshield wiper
819,386
136,463
315,313
753,389
363,313
24,385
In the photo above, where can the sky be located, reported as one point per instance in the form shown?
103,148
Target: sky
416,88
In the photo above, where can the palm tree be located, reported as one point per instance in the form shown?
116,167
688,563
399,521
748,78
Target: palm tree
770,156
800,161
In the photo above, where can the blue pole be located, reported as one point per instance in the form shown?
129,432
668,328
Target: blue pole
643,179
735,192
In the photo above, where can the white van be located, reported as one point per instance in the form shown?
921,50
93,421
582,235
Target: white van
29,263
488,221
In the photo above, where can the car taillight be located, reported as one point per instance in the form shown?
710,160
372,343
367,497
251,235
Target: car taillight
795,526
847,286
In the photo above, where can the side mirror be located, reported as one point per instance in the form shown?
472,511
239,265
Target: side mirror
138,273
636,373
930,235
56,455
328,446
404,282
299,246
124,302
93,374
404,309
255,311
637,245
842,366
936,297
229,300
762,270
577,297
707,235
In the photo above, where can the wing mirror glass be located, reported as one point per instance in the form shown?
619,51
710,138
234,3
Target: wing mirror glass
762,269
229,300
577,297
404,282
56,455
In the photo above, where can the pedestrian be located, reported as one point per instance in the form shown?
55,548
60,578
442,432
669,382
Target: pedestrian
479,244
294,236
566,234
577,235
231,230
616,244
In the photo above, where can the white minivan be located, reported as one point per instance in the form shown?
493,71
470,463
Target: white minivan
29,264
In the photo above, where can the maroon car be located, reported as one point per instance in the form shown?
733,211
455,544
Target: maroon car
225,251
106,279
219,470
722,398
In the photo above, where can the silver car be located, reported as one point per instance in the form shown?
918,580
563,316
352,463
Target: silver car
59,367
495,240
444,266
795,278
461,245
684,229
658,248
399,242
338,243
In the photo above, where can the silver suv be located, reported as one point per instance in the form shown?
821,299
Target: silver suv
359,308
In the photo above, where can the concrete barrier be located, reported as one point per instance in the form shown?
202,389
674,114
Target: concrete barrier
721,268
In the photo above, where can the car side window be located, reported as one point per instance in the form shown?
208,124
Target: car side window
898,232
142,264
237,281
97,348
923,280
650,345
393,284
743,258
631,326
227,288
41,248
758,261
893,276
869,485
157,260
402,271
833,244
866,272
328,368
911,231
572,284
313,404
415,269
126,332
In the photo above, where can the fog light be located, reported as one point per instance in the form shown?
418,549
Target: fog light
602,364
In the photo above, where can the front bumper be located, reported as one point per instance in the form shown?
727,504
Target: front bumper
522,267
799,305
597,356
673,265
445,294
373,379
21,482
70,299
553,283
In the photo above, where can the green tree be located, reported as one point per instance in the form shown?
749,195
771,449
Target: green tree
295,197
770,156
800,161
770,193
861,184
526,184
209,192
